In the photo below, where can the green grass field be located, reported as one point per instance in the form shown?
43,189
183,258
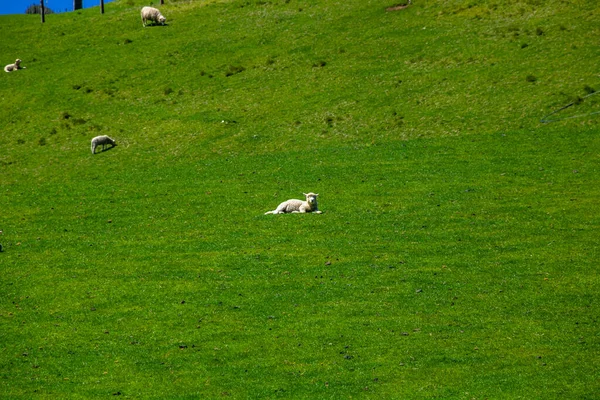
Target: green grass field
457,255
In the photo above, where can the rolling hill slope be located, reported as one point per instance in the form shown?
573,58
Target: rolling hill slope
457,253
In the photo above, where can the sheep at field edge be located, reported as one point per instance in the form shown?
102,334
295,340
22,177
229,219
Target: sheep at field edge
152,14
102,140
298,206
13,67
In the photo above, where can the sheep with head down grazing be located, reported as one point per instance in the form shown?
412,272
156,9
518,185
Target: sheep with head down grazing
102,141
298,206
152,14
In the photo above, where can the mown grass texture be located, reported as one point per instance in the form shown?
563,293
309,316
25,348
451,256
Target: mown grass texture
457,253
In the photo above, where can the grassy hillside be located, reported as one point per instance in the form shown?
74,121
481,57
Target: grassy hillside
457,254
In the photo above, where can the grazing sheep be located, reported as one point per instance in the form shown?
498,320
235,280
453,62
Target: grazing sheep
152,14
102,140
298,206
13,67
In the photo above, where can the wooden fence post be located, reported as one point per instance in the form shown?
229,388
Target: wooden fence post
101,6
42,11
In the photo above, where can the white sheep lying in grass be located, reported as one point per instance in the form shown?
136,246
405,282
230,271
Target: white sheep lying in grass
13,67
298,206
102,140
152,14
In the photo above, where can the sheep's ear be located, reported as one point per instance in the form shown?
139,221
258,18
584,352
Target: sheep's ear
304,194
316,194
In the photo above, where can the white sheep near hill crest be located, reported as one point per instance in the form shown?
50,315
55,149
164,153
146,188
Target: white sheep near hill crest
102,140
298,206
152,14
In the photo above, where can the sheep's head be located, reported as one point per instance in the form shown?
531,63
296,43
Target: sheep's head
162,19
311,198
17,61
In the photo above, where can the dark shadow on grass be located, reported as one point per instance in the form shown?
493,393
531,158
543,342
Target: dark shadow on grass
106,149
398,7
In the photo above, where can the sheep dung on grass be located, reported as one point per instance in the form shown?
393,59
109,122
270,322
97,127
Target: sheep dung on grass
298,206
102,140
13,67
152,14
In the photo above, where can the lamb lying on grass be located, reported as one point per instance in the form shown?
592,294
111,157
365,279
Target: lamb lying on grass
298,206
102,140
13,67
152,14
